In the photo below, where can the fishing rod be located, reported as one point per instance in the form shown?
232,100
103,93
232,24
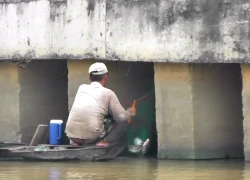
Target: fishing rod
138,99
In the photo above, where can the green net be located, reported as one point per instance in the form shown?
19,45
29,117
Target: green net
141,124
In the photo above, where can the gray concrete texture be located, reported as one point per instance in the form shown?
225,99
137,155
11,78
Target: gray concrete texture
31,96
127,30
245,70
199,111
174,111
9,98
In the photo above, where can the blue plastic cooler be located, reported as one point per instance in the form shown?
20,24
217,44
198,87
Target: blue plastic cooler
55,131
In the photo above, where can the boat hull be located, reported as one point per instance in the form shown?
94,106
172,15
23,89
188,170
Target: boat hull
63,153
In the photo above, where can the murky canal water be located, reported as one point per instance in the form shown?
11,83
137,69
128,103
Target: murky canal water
123,168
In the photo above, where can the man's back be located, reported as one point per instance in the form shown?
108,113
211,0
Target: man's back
90,106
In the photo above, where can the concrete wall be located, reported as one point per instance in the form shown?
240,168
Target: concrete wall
132,30
245,70
9,98
198,111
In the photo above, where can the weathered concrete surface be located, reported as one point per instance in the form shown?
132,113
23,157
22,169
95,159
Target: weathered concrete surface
245,70
178,30
198,111
174,111
217,108
46,29
130,30
9,98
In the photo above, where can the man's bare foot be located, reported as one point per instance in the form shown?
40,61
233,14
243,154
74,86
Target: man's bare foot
102,144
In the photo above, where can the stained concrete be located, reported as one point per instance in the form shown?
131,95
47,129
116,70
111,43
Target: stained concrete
174,111
9,98
126,30
245,69
57,29
199,111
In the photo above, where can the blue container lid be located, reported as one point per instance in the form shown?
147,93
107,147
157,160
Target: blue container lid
56,121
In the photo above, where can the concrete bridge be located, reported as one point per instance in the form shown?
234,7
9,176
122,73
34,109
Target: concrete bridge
196,53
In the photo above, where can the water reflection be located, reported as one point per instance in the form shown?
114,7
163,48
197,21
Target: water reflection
247,171
196,170
118,169
123,168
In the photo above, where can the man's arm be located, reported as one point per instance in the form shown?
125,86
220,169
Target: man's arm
116,110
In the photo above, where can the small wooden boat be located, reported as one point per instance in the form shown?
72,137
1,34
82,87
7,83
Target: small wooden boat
46,152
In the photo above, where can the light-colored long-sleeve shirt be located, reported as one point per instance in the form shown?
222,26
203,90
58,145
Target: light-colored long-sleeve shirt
91,104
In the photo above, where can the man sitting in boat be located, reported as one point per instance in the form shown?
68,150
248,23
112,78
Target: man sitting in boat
93,102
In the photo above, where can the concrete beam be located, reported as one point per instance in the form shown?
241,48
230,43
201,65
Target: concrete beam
127,30
52,29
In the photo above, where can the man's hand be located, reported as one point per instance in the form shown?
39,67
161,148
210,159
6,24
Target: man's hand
132,111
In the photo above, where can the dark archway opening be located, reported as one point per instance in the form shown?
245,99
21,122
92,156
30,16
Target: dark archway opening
43,95
218,116
135,81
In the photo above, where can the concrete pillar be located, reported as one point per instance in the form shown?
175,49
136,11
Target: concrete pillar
174,111
245,70
9,98
77,75
198,111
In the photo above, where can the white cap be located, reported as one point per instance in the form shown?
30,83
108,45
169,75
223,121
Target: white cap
98,69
